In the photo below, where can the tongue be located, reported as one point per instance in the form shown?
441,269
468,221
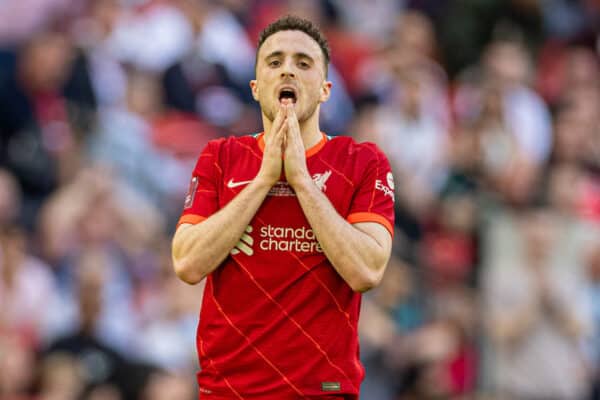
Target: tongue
286,100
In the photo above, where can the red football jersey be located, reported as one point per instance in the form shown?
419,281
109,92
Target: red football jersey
277,320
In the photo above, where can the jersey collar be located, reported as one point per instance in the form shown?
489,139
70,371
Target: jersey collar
309,152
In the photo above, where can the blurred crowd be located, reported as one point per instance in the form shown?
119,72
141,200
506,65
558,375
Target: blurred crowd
489,111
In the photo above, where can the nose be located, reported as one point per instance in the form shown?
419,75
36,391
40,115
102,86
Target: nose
287,70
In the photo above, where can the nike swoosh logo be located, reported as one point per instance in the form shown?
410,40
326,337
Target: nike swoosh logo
231,184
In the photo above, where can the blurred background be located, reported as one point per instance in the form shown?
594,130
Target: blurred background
489,111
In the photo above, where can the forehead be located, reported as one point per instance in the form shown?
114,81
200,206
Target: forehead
290,43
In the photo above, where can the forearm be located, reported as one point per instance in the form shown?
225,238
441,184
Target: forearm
357,257
199,249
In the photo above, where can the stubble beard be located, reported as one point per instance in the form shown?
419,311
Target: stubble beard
270,113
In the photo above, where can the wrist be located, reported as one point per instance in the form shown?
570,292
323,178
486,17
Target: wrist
302,183
263,181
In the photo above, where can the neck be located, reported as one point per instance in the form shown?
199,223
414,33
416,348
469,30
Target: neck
309,129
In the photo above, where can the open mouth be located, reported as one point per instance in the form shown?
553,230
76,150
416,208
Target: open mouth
287,95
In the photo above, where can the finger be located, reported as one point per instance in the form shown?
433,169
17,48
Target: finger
291,115
293,131
284,133
276,127
279,135
279,119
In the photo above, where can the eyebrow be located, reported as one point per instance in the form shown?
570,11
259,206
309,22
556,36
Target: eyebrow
280,53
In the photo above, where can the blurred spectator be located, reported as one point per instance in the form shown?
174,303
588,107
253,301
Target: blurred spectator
89,224
27,286
593,276
17,365
95,210
564,68
412,120
174,387
18,23
101,364
415,140
389,315
169,315
466,28
38,140
563,18
133,157
507,68
537,312
439,364
374,19
10,198
61,377
448,249
94,33
152,35
106,104
217,31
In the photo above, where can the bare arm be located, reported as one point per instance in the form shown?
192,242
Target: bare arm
199,249
358,252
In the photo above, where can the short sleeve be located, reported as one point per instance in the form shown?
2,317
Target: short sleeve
373,200
201,200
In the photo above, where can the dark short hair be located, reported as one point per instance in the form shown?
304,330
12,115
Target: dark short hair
294,23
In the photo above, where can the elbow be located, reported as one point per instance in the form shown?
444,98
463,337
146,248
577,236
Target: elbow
187,273
366,281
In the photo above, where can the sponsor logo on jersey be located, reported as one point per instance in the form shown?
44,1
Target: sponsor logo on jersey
321,179
245,244
191,193
379,185
331,386
390,180
232,184
281,189
278,238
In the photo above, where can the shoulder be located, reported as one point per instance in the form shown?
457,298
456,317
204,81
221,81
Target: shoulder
363,150
229,143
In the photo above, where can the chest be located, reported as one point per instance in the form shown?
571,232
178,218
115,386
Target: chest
333,178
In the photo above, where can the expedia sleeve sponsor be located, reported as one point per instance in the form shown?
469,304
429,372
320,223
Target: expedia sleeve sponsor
374,195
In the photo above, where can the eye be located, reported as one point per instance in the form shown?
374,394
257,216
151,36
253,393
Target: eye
274,63
303,65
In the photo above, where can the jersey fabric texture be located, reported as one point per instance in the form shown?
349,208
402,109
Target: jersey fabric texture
277,321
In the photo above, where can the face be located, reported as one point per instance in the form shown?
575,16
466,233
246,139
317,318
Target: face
290,64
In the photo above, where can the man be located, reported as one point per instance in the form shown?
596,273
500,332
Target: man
288,226
537,312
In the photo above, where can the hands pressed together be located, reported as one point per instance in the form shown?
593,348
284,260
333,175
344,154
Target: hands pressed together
284,149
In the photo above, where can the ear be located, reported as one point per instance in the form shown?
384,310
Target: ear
325,91
254,88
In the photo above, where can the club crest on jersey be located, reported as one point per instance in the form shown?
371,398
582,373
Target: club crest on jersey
321,179
189,197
